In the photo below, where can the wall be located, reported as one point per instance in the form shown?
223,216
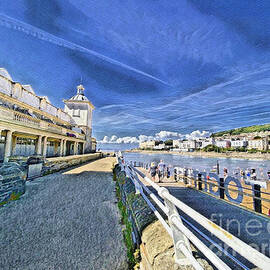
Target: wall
52,165
12,183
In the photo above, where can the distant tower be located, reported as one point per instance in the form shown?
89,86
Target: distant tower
80,109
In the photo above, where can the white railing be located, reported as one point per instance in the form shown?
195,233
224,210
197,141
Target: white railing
181,235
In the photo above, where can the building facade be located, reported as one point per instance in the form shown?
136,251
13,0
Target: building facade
185,145
258,144
147,145
239,143
223,143
30,124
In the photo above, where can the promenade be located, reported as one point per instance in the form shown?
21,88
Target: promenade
248,226
66,220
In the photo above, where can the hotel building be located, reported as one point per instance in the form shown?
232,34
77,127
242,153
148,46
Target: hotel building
31,125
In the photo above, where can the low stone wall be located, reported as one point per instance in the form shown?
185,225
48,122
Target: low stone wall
149,236
12,182
56,164
136,214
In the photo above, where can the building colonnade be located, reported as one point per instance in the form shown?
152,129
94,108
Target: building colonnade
58,146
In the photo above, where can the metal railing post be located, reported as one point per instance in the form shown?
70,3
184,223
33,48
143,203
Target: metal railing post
179,239
199,181
221,188
256,201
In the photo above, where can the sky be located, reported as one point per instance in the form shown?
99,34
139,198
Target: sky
147,66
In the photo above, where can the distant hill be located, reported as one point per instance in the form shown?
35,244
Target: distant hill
237,131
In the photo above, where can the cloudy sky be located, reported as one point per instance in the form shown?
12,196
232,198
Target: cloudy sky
147,66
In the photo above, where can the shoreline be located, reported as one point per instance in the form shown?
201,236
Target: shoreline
234,155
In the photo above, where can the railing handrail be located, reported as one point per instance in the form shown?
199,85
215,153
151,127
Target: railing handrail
251,254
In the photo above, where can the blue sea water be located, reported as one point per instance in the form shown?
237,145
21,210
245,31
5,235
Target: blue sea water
200,163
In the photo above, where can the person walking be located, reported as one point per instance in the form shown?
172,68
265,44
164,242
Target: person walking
161,170
153,171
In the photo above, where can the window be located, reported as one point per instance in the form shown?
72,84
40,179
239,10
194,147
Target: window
76,112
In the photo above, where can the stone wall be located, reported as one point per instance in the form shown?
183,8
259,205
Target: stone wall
56,164
12,182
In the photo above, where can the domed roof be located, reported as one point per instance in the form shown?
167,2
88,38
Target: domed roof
79,97
80,94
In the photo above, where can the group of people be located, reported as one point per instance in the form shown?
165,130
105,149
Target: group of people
161,170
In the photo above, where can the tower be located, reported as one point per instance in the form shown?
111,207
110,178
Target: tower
80,109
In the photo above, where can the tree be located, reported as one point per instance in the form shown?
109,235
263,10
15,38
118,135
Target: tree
169,142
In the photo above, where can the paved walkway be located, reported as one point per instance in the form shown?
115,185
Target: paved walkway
64,221
250,227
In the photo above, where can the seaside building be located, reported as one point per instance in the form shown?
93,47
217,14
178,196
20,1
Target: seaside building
184,145
223,143
258,143
207,141
239,143
147,145
30,124
160,146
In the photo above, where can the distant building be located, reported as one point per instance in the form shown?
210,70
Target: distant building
160,146
176,143
184,145
147,145
30,124
223,143
258,144
239,143
207,141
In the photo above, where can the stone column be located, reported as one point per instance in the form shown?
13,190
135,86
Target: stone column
45,146
8,145
75,148
38,145
13,145
83,148
61,147
65,148
55,148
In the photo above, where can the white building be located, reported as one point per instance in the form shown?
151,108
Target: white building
223,143
184,145
259,144
81,109
207,141
30,124
237,143
147,145
160,146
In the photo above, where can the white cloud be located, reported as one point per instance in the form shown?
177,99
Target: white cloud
127,140
167,135
198,134
162,136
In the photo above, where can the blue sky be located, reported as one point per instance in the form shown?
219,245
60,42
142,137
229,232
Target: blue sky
147,66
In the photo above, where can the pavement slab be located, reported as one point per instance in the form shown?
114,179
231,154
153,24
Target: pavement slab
66,220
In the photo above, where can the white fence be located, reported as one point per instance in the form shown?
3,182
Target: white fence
181,235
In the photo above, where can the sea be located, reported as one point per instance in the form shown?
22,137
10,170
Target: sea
199,163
